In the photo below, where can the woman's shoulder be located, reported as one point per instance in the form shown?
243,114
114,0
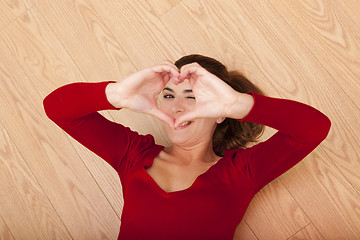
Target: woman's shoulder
232,153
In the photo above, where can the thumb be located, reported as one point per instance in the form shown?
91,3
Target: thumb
184,118
163,116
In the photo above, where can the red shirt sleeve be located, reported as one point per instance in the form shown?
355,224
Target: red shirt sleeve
301,128
74,108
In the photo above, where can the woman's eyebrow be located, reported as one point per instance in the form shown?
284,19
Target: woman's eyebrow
169,89
185,91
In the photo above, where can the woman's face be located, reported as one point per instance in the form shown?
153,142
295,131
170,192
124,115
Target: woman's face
176,100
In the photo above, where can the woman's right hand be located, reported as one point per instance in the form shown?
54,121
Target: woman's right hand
139,91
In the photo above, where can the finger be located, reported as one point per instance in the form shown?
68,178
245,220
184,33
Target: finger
166,67
174,78
191,69
170,63
163,116
166,77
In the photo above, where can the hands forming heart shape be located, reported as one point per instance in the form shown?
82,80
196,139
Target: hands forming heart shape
139,92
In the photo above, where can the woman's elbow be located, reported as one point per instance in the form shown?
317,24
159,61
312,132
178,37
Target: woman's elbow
321,130
47,107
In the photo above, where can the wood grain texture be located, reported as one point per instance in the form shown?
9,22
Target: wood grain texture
335,42
301,50
330,202
162,6
309,232
49,67
59,170
243,231
333,36
5,233
87,39
351,9
274,205
12,9
139,31
26,210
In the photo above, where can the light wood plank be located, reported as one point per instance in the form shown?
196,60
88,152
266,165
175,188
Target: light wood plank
5,233
333,37
10,10
273,214
139,31
107,62
334,40
6,16
351,9
18,7
59,170
25,208
326,196
274,52
49,67
87,39
162,6
38,56
243,231
309,232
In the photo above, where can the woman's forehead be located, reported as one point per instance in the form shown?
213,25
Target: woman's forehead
180,87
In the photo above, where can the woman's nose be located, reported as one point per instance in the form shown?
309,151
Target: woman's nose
178,106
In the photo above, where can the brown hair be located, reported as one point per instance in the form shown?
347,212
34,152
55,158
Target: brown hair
229,134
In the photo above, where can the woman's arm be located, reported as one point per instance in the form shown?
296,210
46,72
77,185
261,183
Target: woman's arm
301,128
74,108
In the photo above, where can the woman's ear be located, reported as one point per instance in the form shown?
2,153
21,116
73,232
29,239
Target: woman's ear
220,120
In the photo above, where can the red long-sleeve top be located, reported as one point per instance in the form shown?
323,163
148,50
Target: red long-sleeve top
213,206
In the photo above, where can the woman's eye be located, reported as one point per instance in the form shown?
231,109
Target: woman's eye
168,96
172,96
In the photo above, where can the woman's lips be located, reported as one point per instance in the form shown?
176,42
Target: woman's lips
184,125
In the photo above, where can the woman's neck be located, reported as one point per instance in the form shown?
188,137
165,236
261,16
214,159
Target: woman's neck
201,153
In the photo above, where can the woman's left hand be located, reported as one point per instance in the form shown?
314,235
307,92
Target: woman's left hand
214,98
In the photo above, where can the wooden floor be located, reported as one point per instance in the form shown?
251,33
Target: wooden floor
53,188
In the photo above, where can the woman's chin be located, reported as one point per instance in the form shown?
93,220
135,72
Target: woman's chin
181,140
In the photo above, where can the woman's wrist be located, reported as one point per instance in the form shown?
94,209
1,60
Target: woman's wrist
112,95
241,107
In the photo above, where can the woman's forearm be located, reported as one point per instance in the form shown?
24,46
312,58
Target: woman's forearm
75,101
243,103
297,120
112,95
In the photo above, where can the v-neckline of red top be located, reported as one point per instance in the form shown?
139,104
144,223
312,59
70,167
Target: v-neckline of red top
175,193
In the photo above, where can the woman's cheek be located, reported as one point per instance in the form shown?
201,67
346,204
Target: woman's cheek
164,106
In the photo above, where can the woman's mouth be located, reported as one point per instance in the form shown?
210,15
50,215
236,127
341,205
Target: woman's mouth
184,125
